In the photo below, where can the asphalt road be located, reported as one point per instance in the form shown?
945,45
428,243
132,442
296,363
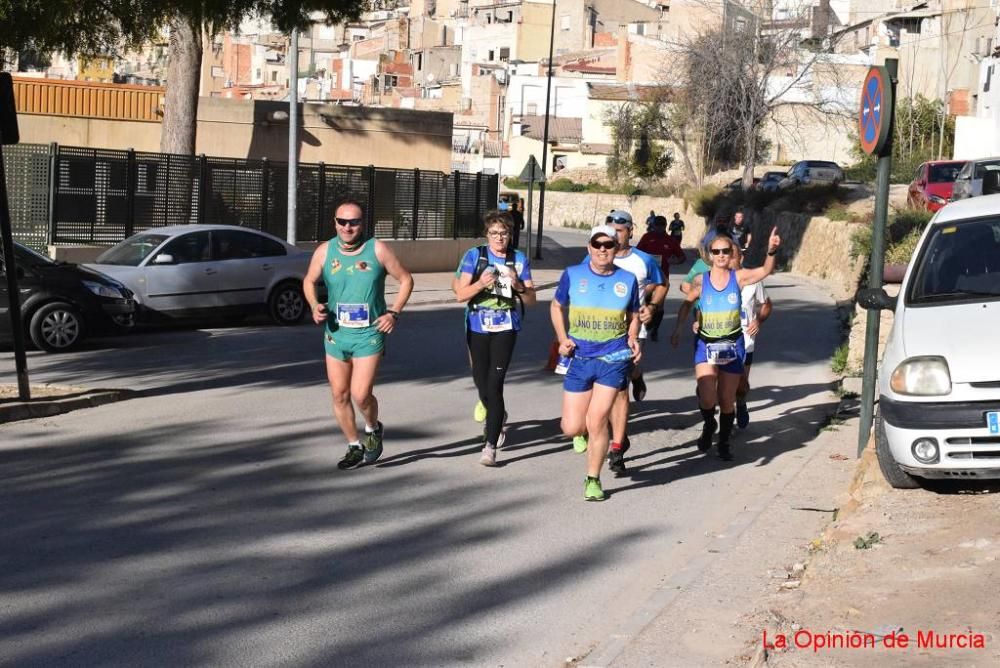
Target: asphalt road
205,522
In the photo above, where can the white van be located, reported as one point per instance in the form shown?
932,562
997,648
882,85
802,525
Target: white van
939,383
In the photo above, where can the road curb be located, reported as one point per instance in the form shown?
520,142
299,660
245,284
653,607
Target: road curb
40,408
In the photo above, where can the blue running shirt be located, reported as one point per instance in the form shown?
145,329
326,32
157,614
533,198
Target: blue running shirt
597,308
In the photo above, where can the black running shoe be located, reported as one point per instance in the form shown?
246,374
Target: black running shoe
626,444
353,459
639,388
616,462
373,445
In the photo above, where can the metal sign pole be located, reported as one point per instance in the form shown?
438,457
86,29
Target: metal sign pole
885,103
527,211
9,135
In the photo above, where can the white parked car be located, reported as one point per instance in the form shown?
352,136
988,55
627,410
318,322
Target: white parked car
939,383
969,181
209,270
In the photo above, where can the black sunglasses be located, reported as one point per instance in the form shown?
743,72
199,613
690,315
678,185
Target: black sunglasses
721,251
606,245
614,220
350,221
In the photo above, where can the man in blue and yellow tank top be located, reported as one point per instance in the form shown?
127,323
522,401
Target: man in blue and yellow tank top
600,303
355,320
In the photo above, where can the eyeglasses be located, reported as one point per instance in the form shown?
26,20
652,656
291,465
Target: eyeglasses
721,251
614,220
603,245
498,234
350,221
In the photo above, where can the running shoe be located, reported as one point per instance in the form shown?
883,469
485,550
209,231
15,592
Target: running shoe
489,456
616,462
580,443
725,454
639,388
742,414
592,490
373,445
626,444
353,459
479,412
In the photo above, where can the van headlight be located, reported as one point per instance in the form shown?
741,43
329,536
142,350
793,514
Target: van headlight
922,376
102,290
937,200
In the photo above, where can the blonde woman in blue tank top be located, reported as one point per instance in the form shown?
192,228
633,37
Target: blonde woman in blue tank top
355,322
719,344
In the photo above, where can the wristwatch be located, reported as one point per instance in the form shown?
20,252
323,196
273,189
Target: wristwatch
394,314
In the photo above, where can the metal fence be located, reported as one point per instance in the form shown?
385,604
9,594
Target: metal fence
72,195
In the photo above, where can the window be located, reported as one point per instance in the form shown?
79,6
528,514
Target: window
194,247
532,108
504,54
489,57
389,81
564,22
239,245
274,77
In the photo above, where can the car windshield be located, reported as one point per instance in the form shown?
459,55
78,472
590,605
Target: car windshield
132,251
958,262
26,255
945,173
774,176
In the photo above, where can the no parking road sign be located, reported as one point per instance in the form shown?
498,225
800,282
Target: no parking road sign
875,113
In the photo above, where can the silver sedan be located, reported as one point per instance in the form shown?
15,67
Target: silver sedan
202,270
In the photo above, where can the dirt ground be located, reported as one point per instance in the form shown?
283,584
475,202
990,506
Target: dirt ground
899,578
9,392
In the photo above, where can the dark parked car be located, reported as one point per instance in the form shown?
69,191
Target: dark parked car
769,182
812,172
932,184
62,303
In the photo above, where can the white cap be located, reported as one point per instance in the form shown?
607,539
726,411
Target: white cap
619,217
606,230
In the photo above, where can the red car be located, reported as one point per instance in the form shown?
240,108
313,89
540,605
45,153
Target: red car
932,184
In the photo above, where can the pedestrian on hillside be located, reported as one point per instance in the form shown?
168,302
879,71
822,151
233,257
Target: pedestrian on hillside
677,228
356,321
719,346
650,220
517,215
600,303
740,231
494,280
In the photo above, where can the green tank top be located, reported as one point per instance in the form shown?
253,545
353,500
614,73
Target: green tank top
355,287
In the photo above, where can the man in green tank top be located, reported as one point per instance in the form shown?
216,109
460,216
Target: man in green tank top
355,320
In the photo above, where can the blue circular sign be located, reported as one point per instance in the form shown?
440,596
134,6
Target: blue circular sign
875,113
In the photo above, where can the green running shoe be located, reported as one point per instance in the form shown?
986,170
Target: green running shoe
373,445
580,443
353,459
479,412
592,490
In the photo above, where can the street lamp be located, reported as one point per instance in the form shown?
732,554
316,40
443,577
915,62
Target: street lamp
545,135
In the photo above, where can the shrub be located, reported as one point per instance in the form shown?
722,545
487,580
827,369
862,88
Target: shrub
838,363
861,242
902,251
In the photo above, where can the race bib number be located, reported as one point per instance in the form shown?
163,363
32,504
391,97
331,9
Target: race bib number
353,315
495,320
720,352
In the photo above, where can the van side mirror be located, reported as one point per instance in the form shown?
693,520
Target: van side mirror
876,299
163,258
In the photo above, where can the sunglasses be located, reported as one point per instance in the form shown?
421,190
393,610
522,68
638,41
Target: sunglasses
610,220
350,221
603,245
721,251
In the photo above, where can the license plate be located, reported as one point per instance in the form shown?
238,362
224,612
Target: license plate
993,421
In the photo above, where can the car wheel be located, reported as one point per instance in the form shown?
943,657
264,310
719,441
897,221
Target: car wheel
56,327
895,476
286,304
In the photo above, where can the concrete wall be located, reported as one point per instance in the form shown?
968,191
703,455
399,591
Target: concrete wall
427,255
230,128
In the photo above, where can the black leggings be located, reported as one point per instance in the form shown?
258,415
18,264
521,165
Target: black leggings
491,355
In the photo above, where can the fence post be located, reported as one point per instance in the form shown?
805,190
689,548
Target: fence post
457,194
416,202
479,196
202,187
130,186
370,208
53,191
265,195
321,204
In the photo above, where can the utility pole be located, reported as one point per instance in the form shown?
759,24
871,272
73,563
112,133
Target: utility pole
545,135
293,134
